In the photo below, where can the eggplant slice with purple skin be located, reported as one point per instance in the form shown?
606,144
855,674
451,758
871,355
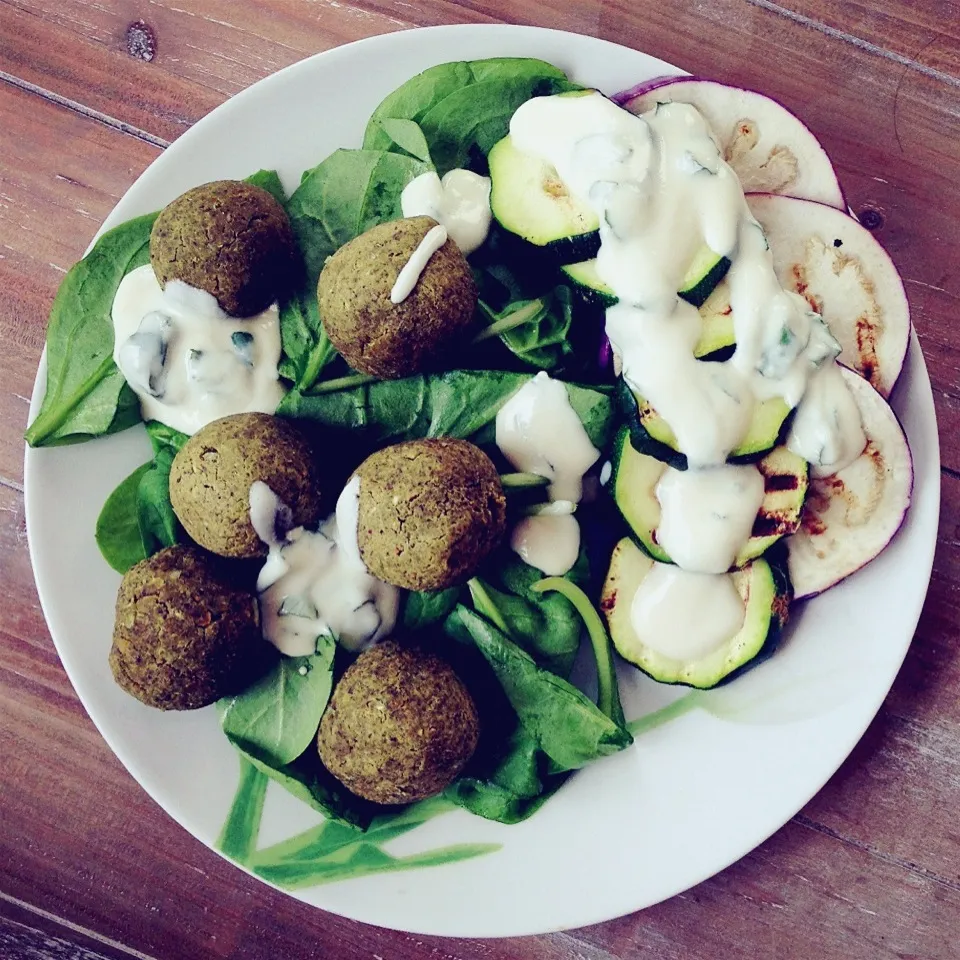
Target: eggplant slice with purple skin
769,148
846,276
850,517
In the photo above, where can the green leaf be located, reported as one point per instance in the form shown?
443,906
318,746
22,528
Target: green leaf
413,98
269,180
277,718
544,339
118,528
86,395
407,135
564,723
238,838
157,523
308,780
426,608
545,625
509,787
608,691
477,116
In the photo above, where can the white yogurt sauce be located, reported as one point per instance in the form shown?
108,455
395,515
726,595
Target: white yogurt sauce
827,433
314,582
460,202
548,541
684,615
707,515
662,192
538,431
187,360
407,279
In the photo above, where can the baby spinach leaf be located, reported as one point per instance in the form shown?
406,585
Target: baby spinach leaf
511,785
465,107
238,837
537,331
158,524
412,99
270,181
86,395
118,529
351,191
309,781
477,116
408,136
545,625
595,408
137,520
570,729
426,608
279,715
458,403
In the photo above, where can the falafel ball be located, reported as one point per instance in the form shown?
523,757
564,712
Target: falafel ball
400,725
391,340
185,633
230,238
430,512
211,476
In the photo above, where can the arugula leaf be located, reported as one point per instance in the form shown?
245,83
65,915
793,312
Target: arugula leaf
570,729
86,395
279,715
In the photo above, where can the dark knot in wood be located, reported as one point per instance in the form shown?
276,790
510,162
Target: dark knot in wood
141,41
872,219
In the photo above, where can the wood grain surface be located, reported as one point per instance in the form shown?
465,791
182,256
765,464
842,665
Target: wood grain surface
90,868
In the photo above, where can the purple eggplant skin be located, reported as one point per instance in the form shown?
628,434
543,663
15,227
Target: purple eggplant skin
645,86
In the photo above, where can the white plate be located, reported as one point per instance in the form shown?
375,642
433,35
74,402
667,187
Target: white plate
690,797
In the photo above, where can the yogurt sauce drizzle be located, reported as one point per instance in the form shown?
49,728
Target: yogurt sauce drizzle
460,202
407,279
187,360
314,582
662,192
539,432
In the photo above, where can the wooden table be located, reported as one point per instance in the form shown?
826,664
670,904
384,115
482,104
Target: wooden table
91,93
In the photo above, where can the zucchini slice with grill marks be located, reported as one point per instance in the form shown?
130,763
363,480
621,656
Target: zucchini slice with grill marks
529,199
633,485
764,587
700,280
652,435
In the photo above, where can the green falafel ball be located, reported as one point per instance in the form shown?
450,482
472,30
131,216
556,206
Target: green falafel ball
229,238
400,725
391,340
185,633
430,512
212,473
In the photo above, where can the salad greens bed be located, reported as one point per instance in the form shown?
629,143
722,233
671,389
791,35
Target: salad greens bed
512,639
